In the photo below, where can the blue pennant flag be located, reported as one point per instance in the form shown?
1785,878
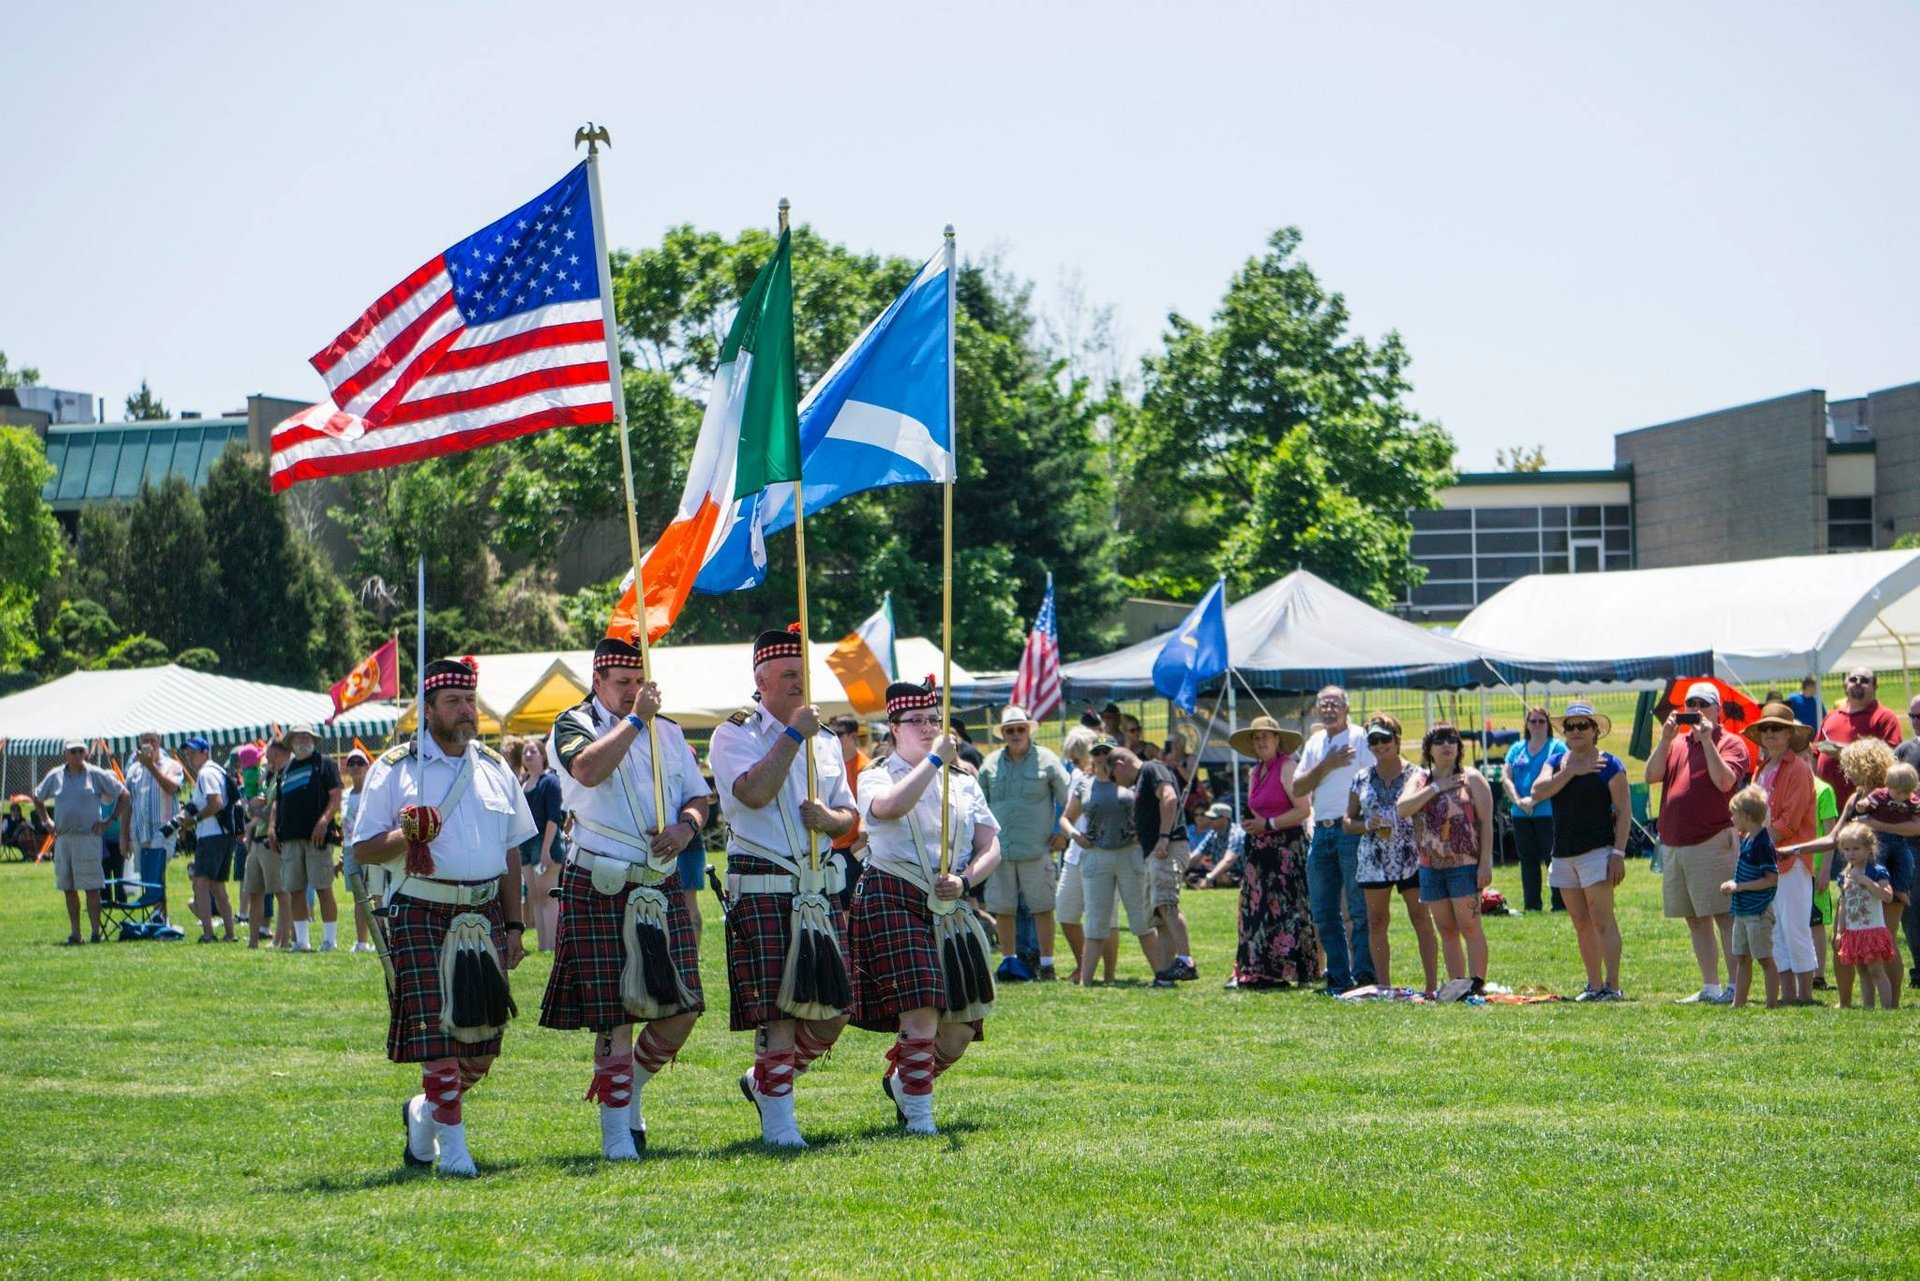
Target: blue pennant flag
1196,652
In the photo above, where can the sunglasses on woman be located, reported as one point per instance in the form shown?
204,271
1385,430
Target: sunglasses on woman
1579,727
1446,740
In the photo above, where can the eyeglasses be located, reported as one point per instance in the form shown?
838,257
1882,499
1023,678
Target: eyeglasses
1536,720
1860,680
1772,729
1446,740
1697,703
1011,730
1579,727
918,720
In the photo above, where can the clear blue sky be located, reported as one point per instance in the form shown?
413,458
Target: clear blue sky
1582,219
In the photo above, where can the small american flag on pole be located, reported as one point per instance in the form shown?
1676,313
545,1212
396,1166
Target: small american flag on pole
1036,686
500,335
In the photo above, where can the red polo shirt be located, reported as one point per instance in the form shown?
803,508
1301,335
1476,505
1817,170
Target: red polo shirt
1843,726
1692,809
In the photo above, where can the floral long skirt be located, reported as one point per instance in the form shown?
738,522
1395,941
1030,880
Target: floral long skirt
1277,942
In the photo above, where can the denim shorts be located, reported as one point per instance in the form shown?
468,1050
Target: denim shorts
1438,884
1897,854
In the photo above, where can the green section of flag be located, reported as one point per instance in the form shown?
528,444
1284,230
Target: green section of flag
770,402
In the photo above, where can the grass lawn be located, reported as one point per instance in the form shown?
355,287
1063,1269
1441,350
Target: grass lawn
209,1109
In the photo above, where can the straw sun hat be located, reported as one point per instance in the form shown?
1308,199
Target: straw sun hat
1242,742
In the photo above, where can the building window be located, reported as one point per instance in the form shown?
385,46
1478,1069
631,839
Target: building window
1471,553
1850,524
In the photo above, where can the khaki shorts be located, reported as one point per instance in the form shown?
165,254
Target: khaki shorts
1126,872
1069,903
1167,875
1032,878
304,865
76,863
1694,874
263,870
1753,936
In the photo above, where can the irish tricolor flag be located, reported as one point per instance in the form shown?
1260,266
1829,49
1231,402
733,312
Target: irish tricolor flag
864,661
749,439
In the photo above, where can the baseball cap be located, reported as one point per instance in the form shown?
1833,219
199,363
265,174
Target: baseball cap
75,745
198,743
1706,691
1219,809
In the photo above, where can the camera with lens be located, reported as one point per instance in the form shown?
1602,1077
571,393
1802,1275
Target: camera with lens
184,828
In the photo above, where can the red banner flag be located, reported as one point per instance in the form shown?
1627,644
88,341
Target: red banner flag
375,676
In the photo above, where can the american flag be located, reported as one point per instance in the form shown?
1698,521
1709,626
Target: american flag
1036,687
500,335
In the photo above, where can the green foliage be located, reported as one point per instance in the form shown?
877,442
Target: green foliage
83,633
25,376
1906,542
1524,459
139,650
29,539
169,566
1271,439
198,658
144,406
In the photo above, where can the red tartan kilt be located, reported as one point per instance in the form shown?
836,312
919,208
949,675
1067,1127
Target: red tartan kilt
759,930
415,931
583,991
890,947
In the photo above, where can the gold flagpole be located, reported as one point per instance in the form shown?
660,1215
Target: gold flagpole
593,136
946,571
806,658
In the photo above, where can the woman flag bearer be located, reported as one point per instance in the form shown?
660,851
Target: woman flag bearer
900,975
454,810
627,952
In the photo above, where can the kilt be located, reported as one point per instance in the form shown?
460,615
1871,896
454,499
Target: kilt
891,953
583,991
759,930
415,931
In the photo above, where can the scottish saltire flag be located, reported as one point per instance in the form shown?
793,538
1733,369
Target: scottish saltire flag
499,335
749,440
1195,653
879,417
1036,686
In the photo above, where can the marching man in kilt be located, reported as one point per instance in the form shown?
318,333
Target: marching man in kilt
627,952
919,955
452,926
788,979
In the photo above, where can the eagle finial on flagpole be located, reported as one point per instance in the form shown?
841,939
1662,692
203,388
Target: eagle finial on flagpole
593,135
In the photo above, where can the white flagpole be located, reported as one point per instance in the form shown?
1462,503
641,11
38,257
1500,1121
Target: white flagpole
946,574
593,136
420,653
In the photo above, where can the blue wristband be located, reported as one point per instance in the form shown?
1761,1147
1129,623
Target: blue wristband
795,735
635,721
937,762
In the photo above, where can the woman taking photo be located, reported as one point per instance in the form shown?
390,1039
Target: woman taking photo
544,852
1532,819
1278,947
1389,859
1110,865
1453,811
1590,814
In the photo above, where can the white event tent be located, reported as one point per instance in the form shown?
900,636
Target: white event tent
1767,622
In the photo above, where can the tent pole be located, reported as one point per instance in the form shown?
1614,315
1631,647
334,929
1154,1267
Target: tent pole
1906,670
1233,759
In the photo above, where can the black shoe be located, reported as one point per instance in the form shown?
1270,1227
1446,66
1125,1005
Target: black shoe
639,1137
886,1088
1164,978
1183,972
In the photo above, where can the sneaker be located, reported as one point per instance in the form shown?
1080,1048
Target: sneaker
1725,997
1047,974
299,947
1609,994
1231,985
329,947
1699,998
1164,978
1588,993
1183,972
363,947
1820,983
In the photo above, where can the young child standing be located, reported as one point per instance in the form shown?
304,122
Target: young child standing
1862,940
1755,875
1894,802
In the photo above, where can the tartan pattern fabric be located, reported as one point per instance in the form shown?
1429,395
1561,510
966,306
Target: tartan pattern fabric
759,930
415,931
583,991
891,952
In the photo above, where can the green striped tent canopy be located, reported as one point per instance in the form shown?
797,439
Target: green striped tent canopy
116,707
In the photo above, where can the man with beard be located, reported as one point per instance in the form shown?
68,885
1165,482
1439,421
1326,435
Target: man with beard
627,951
456,813
761,772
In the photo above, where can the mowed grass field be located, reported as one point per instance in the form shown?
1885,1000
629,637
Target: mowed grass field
173,1108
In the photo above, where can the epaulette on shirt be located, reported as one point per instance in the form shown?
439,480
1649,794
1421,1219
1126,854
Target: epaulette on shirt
489,753
395,754
742,716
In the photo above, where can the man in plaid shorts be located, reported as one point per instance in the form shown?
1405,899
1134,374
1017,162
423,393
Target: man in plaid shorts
460,797
624,868
761,776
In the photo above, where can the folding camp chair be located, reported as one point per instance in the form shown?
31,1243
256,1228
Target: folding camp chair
1641,837
138,910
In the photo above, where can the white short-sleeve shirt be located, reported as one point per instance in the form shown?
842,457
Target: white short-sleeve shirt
478,835
892,840
1330,797
623,801
737,747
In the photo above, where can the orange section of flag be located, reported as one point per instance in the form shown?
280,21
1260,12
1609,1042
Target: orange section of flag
861,674
375,676
670,567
